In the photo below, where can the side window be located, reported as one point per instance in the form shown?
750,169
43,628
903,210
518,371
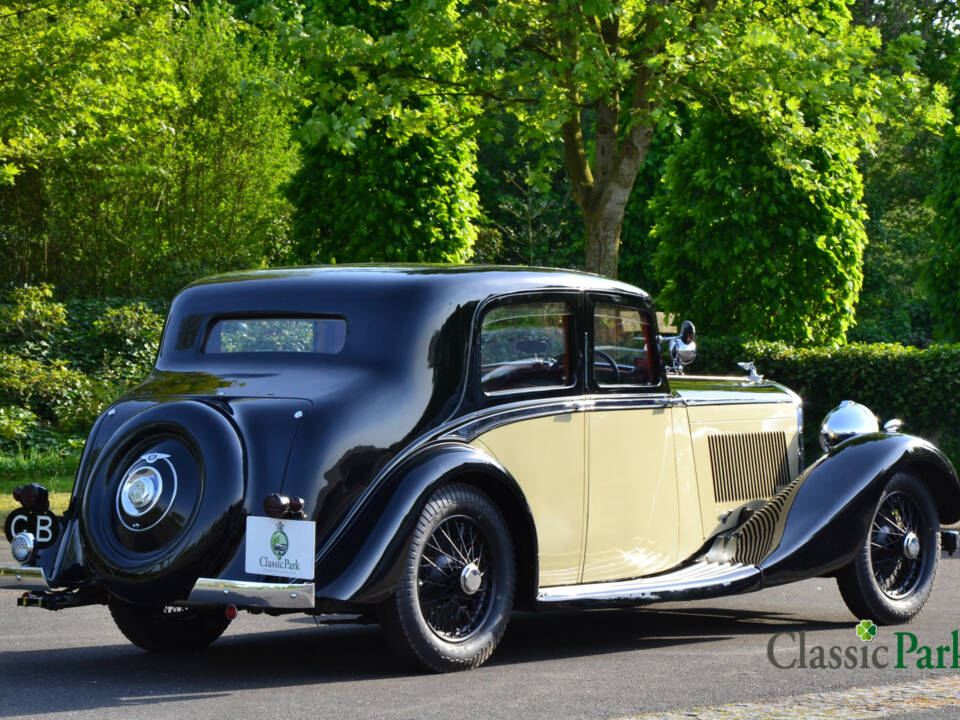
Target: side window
526,346
622,338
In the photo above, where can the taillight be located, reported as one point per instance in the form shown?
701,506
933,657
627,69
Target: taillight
34,496
276,505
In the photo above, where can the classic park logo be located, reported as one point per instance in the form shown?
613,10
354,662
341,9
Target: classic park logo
279,545
790,651
279,542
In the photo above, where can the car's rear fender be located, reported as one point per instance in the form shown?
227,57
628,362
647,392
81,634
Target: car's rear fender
364,564
819,523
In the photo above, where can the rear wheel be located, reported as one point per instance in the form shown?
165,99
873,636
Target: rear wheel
892,577
454,600
169,629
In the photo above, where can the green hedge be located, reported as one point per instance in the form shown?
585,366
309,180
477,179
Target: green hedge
920,386
60,363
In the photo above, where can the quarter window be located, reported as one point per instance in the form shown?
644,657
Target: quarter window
526,346
622,338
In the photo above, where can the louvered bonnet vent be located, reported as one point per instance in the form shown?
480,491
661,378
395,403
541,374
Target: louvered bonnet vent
748,466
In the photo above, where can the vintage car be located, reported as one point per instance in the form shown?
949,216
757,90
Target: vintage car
436,446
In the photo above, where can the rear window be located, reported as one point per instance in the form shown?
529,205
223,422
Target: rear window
277,335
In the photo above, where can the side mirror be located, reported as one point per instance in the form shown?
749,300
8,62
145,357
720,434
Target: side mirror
682,347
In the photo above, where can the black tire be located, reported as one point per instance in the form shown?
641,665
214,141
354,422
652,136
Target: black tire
884,583
433,620
169,629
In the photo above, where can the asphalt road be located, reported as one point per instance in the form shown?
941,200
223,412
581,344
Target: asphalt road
597,664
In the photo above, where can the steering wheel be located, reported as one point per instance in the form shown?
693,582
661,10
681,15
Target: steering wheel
609,361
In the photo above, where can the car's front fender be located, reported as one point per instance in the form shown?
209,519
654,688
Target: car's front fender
817,525
364,563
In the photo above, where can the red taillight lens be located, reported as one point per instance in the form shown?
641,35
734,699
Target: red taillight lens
232,612
296,504
17,493
276,505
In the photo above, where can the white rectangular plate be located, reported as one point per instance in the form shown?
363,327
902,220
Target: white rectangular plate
284,548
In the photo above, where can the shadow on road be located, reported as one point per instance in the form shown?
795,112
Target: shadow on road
298,654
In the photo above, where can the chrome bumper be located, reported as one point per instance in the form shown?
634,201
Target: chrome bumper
285,596
23,578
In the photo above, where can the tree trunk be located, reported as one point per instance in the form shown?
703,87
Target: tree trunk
604,208
603,227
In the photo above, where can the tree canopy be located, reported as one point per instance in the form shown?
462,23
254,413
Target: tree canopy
600,76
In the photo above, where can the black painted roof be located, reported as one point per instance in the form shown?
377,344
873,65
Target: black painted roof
487,279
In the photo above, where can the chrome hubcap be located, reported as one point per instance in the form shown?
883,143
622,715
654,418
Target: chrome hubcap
470,579
140,490
911,546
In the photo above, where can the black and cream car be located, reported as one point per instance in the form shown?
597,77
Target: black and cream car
435,446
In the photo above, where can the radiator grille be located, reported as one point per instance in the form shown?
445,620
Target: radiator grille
748,466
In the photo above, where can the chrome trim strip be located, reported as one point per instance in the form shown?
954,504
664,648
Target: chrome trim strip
700,579
23,578
243,593
504,415
751,401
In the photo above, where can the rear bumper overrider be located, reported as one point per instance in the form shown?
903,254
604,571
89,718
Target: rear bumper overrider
24,577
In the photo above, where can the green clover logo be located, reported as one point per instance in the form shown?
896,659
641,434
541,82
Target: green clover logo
866,630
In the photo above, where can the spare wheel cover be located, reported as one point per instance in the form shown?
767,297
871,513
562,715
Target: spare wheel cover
163,503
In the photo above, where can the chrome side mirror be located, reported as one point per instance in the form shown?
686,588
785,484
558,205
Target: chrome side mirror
682,347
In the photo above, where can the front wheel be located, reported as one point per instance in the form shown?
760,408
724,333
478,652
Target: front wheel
454,599
169,629
891,578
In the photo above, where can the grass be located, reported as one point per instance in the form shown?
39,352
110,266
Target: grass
51,468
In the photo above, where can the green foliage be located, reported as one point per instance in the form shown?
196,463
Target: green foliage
599,79
127,338
31,314
927,384
59,396
944,266
388,201
176,173
72,71
392,198
56,375
746,245
529,216
16,423
54,468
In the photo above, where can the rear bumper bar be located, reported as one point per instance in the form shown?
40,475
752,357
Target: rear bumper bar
23,578
245,594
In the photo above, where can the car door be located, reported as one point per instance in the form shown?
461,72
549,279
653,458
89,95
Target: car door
632,500
530,387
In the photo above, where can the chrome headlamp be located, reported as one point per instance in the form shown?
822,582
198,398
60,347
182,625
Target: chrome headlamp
845,421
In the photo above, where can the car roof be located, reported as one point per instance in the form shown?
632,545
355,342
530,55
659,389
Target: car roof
479,281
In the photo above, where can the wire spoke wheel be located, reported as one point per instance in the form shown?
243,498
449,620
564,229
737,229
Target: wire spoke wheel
455,583
895,545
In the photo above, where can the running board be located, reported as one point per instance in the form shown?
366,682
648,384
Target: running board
693,582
